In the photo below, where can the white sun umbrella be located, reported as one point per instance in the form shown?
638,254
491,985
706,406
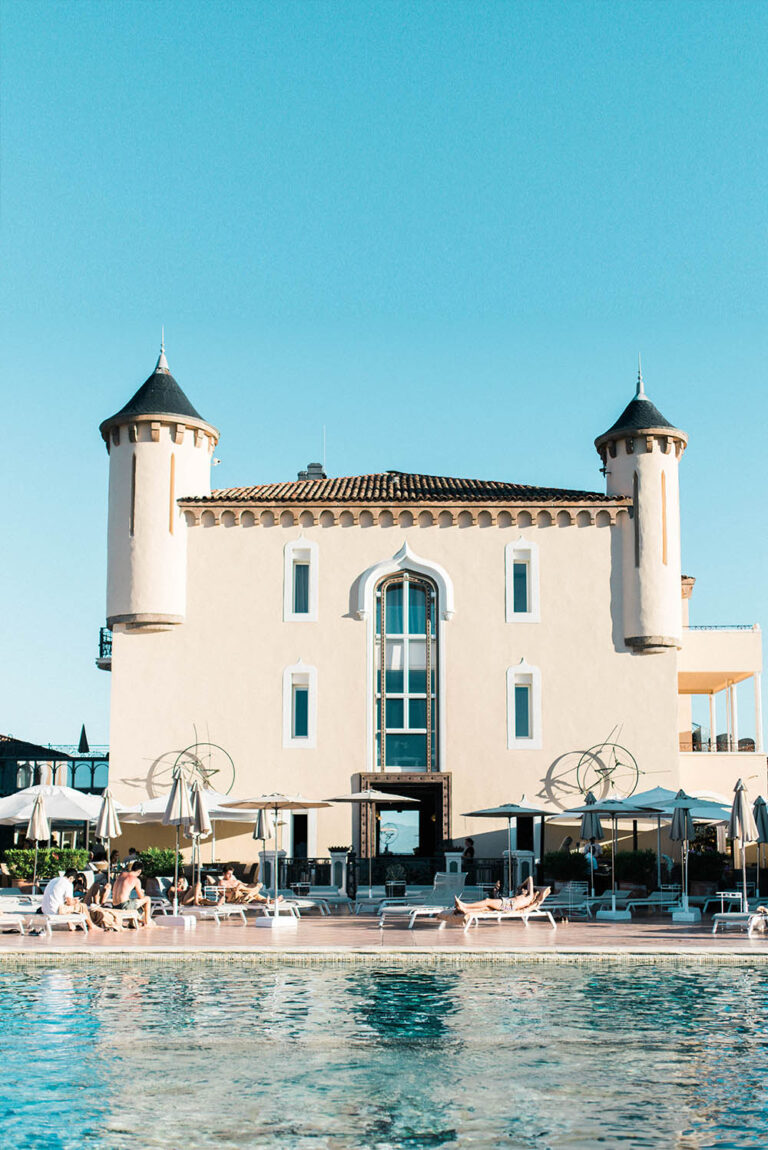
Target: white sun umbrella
682,830
62,804
760,814
510,811
107,824
38,830
741,826
275,803
369,799
178,813
591,828
651,797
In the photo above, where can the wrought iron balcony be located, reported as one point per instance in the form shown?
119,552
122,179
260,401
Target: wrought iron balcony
104,660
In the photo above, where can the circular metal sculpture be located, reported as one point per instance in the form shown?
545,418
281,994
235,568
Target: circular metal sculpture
206,763
605,768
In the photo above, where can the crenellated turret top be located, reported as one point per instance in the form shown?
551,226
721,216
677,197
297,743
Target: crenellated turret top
640,415
159,395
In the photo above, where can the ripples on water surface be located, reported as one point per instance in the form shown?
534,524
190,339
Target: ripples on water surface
196,1056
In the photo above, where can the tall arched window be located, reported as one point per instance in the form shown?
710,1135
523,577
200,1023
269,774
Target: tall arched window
406,673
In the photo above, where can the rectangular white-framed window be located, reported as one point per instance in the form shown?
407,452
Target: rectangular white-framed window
300,581
300,706
524,729
521,562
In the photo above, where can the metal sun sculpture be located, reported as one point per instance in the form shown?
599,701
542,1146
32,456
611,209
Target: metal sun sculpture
206,763
605,768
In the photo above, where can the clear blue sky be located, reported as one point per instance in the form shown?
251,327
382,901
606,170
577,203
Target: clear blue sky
444,230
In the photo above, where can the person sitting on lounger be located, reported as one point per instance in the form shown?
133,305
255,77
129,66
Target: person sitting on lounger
526,898
188,895
237,891
126,883
59,898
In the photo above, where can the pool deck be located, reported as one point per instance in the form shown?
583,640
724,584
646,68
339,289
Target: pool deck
342,938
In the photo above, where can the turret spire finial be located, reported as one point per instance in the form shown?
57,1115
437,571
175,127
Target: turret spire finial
640,393
162,362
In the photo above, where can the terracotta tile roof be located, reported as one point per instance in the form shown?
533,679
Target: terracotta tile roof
400,487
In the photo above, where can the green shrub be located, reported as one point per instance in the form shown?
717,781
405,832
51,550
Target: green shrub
706,866
638,867
158,861
565,866
50,860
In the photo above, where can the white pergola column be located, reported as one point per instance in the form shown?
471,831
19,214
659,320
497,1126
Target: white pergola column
728,731
734,717
758,680
712,723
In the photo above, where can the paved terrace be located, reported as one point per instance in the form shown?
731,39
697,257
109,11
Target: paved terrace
342,937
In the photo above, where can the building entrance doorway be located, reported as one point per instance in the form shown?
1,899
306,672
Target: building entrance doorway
414,829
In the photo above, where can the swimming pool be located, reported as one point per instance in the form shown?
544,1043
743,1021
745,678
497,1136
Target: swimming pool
195,1055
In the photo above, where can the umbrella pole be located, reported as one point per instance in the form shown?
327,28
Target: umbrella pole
613,865
274,909
34,870
176,874
685,874
743,849
371,823
509,857
658,853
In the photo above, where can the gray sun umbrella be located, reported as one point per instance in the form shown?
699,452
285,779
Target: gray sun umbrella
682,830
760,814
370,799
742,827
275,803
201,825
178,813
38,830
264,828
617,808
510,811
591,828
108,825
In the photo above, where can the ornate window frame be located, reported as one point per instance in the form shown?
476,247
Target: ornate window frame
403,560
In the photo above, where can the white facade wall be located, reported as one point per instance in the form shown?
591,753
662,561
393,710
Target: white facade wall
221,674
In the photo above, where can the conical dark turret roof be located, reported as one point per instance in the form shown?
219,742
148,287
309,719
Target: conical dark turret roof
639,415
158,395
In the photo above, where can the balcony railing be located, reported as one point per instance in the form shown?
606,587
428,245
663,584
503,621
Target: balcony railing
723,743
724,627
104,660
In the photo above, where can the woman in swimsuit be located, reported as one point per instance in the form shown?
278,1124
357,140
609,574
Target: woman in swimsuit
525,899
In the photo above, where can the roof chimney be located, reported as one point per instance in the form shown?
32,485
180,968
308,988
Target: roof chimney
314,471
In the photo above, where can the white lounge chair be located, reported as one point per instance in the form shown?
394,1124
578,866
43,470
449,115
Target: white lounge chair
739,920
445,887
12,922
475,917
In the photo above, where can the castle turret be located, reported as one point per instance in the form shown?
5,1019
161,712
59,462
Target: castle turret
160,449
640,455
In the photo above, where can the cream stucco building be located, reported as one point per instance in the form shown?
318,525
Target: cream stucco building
460,641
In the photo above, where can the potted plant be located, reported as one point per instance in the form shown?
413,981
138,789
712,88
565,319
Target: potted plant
394,881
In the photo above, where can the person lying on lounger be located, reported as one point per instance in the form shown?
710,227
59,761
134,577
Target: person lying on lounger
526,898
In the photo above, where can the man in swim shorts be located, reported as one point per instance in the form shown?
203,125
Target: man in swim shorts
127,882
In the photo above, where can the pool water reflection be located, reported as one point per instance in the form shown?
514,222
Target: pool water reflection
567,1056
